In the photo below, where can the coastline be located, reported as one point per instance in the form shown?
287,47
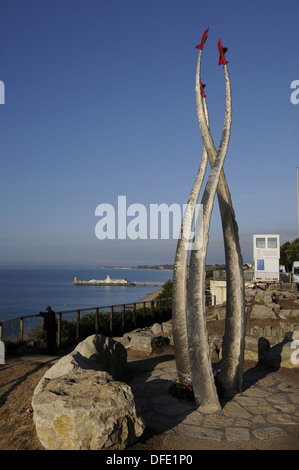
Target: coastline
138,268
151,296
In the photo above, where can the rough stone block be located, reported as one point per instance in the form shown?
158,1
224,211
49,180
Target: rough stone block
156,328
262,312
86,410
255,347
148,342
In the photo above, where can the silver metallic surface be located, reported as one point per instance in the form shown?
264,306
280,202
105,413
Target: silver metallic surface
234,338
179,287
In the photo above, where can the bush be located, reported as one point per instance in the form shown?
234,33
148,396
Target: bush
166,292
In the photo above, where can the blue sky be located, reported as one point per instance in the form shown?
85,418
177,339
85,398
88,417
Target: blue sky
99,102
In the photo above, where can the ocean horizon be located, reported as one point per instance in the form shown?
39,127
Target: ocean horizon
28,290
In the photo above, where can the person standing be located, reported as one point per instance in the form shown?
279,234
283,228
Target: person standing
49,328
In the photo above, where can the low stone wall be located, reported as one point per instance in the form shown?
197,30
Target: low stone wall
263,305
149,340
271,345
274,334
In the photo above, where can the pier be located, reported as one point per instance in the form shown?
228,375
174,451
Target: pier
146,283
114,282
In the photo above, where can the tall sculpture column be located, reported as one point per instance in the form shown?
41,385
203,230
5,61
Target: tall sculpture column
203,382
234,337
189,316
179,286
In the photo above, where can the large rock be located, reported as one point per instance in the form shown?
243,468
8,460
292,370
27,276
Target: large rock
97,352
73,362
167,326
284,354
86,410
289,314
262,311
255,347
259,295
156,328
215,347
148,343
105,354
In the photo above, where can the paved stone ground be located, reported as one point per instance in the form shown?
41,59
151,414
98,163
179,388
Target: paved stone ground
267,408
264,416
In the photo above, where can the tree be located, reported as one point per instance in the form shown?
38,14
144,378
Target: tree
293,251
289,252
284,260
166,292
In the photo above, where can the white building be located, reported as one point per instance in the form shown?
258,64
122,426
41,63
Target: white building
109,280
266,254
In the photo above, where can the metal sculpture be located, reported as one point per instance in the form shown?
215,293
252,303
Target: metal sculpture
180,273
189,317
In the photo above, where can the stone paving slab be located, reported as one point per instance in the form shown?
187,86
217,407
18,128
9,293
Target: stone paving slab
265,409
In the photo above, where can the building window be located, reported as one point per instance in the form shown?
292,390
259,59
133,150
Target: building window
272,242
261,243
260,265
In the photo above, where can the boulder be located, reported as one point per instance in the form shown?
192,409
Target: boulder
215,347
255,347
149,343
124,340
259,295
105,354
275,307
167,326
97,352
73,362
86,410
288,295
220,313
289,314
262,311
156,328
284,354
249,294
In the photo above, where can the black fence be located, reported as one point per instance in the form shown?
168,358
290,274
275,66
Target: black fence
74,325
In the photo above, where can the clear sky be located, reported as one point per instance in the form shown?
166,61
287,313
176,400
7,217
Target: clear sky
100,102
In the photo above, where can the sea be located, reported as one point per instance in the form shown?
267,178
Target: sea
27,291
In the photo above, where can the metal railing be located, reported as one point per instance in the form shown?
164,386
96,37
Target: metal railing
142,309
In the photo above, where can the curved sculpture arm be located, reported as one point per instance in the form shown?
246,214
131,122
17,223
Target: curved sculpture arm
200,362
234,337
180,272
204,129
